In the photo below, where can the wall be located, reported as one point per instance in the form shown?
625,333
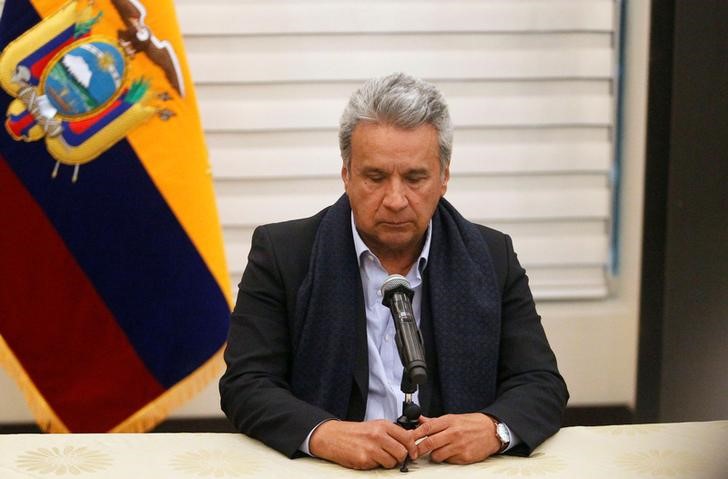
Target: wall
685,302
531,85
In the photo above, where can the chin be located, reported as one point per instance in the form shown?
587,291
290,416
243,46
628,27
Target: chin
396,241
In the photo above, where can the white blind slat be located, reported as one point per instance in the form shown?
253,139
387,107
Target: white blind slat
251,209
305,114
295,65
291,162
265,18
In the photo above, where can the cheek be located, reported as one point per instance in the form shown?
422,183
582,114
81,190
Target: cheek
426,202
369,187
366,203
369,194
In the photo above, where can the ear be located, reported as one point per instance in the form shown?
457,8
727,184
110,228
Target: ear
445,178
345,177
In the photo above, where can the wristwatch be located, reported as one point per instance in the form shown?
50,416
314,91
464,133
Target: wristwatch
501,432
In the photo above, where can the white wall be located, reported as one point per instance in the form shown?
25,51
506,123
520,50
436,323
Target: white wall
531,87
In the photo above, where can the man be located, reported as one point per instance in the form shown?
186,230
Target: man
312,365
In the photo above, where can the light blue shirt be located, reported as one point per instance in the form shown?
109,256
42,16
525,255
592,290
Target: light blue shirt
384,398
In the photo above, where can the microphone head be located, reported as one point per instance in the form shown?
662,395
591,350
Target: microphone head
394,281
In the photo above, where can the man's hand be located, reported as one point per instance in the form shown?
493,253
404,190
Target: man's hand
457,438
362,445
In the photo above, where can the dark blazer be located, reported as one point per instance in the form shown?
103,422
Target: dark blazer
254,391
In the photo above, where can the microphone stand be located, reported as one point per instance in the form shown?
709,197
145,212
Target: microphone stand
410,411
398,298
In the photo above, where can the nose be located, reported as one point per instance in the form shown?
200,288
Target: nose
395,197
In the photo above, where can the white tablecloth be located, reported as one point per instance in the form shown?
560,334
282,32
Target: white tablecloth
679,450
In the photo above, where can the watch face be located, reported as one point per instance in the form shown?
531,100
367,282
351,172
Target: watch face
503,433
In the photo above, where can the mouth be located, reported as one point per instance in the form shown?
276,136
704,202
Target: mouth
395,224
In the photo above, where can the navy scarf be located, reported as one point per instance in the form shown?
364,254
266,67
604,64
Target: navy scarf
464,301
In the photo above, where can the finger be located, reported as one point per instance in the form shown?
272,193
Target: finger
386,460
369,453
432,426
433,442
395,448
405,438
390,454
446,453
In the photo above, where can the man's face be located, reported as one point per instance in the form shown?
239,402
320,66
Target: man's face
394,185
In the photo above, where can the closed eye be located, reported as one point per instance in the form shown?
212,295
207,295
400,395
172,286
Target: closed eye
376,178
415,178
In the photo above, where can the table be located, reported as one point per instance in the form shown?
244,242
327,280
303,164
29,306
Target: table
677,450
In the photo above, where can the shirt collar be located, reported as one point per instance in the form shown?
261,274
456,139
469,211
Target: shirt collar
361,248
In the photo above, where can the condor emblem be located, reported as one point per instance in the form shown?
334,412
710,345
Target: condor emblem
75,89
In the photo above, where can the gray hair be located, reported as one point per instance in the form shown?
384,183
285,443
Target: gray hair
402,101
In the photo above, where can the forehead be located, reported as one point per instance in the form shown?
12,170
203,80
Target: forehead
387,145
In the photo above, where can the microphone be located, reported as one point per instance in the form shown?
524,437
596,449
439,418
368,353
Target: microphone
398,298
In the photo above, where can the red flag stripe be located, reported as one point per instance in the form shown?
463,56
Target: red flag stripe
108,376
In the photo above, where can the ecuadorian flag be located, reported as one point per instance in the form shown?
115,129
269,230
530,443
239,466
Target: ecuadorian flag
113,287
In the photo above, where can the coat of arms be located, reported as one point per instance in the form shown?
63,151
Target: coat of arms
75,89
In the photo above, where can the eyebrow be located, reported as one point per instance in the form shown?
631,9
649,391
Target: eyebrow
371,169
417,171
414,171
